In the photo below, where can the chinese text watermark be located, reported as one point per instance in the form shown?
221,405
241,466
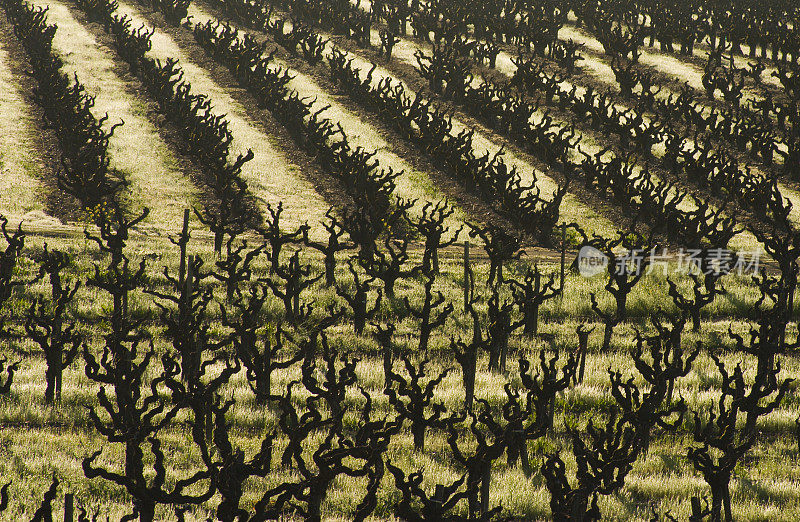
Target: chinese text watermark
711,261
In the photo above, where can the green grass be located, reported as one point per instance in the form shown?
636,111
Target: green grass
37,441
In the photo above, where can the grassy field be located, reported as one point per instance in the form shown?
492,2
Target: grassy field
38,441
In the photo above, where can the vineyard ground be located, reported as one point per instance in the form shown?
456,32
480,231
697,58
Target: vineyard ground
37,441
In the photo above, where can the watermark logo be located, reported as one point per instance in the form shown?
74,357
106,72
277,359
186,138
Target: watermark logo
713,261
591,261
